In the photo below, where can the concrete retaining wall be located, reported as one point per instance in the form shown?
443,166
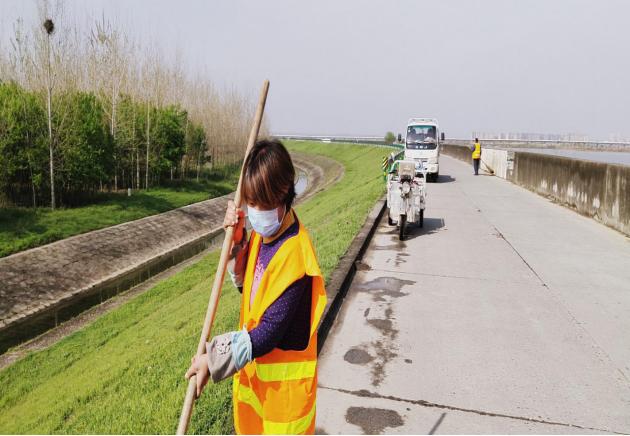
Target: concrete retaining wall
598,190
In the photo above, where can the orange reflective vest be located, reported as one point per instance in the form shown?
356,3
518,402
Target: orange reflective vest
275,393
476,154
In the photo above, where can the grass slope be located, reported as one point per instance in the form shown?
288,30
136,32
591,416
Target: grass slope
22,228
124,372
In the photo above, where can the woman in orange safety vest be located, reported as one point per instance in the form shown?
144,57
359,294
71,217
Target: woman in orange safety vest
273,355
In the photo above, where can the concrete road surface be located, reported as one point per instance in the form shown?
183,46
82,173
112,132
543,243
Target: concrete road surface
506,313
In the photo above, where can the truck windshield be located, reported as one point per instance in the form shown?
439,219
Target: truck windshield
421,138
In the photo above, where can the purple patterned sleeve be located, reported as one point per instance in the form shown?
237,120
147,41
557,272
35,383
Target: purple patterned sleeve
278,317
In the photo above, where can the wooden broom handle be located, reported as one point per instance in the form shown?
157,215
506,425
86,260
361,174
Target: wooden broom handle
189,400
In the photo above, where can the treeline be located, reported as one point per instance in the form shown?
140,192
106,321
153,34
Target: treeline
151,144
84,108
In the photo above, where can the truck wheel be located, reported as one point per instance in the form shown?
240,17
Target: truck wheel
402,221
421,217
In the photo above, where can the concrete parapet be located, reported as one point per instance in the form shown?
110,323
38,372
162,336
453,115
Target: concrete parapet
496,161
457,151
597,190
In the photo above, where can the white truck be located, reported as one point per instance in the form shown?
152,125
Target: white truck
422,145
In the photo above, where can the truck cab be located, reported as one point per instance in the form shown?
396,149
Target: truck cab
422,145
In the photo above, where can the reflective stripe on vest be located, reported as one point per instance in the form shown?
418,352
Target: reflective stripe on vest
297,426
477,152
270,372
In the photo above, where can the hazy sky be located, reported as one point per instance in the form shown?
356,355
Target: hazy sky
365,67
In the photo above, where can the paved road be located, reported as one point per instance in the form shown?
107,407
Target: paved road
504,314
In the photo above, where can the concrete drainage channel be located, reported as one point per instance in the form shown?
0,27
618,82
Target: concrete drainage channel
20,321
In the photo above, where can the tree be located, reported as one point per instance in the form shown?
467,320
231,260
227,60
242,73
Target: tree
49,27
390,137
85,145
145,99
22,143
168,136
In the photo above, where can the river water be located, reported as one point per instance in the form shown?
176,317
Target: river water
301,183
614,157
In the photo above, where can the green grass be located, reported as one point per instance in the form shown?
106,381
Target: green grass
124,372
22,228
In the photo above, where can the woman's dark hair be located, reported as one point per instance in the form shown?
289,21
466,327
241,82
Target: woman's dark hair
269,176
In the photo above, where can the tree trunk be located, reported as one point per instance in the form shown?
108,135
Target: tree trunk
135,144
113,133
198,163
137,168
30,167
146,181
50,138
185,157
131,170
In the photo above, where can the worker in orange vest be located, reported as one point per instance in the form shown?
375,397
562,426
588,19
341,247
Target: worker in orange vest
272,358
476,155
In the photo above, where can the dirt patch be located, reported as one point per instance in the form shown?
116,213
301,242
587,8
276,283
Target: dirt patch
384,354
385,287
383,291
373,420
357,356
361,266
384,326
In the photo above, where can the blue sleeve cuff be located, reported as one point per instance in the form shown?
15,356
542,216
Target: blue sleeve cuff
241,348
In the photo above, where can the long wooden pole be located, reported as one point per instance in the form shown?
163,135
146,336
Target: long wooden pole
184,419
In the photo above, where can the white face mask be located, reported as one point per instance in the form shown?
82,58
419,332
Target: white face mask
264,222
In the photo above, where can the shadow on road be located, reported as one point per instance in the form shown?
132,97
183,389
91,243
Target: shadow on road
445,178
437,424
431,225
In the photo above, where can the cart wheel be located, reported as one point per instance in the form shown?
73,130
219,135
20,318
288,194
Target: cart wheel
402,221
389,220
421,217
